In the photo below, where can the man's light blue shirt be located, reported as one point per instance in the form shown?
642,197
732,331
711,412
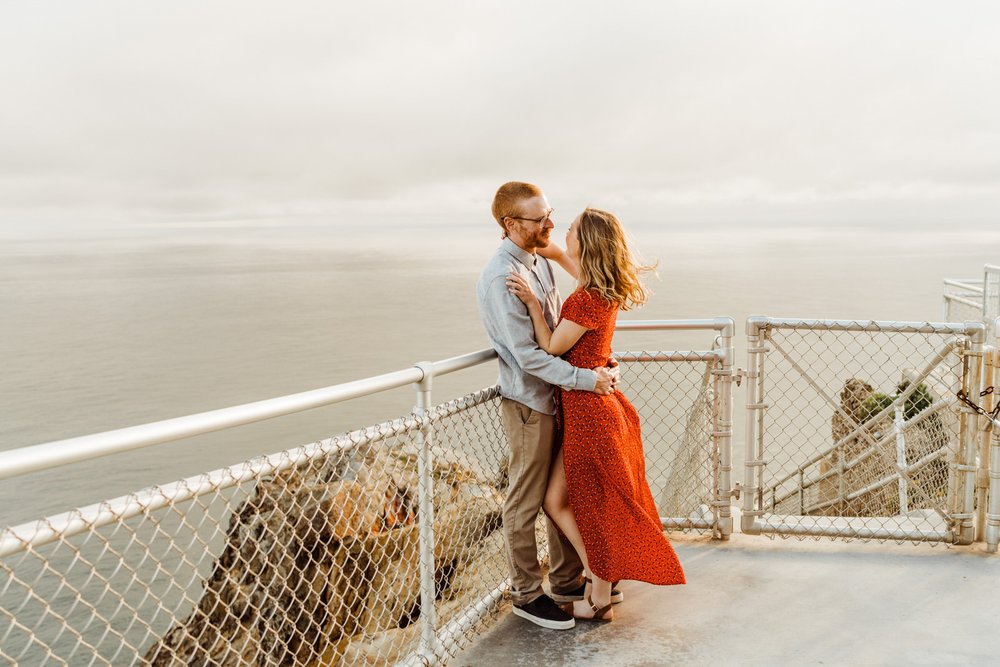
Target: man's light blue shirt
527,372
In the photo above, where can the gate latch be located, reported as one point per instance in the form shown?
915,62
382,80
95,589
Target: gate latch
736,491
738,376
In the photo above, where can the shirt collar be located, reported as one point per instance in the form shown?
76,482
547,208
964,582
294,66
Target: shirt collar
519,253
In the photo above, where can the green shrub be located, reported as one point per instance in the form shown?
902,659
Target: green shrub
874,404
919,400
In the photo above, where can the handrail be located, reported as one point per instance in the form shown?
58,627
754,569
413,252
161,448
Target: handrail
462,361
965,285
962,300
880,483
862,456
72,450
34,458
915,419
717,323
962,328
675,355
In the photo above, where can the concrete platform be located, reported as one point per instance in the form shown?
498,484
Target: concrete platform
757,601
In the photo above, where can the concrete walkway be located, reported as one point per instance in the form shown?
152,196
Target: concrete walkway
756,601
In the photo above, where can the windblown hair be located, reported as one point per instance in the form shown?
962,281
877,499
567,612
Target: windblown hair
607,266
507,200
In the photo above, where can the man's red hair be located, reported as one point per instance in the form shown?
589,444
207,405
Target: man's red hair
507,200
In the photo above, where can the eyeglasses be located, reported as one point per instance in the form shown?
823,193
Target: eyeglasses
548,214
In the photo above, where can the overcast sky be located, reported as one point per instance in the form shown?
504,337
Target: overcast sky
357,112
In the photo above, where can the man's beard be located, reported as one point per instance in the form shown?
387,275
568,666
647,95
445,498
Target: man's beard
542,240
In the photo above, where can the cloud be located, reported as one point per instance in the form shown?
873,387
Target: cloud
133,111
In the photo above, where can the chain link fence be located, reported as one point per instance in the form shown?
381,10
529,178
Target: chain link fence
384,545
309,556
312,556
858,430
677,406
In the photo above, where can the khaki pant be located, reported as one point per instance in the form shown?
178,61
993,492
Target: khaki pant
533,446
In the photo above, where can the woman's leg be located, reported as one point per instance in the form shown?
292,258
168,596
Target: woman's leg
556,506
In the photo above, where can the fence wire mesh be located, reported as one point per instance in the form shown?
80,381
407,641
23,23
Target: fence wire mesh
962,306
311,556
235,566
862,431
677,409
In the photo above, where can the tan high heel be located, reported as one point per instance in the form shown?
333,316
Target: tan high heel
599,612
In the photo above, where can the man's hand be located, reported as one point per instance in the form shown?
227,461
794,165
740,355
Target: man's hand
605,383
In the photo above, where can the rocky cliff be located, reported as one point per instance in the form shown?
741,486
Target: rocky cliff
320,560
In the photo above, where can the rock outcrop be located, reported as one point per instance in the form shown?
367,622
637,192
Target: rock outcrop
858,491
318,558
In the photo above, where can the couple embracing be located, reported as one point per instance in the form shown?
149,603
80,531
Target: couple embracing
575,440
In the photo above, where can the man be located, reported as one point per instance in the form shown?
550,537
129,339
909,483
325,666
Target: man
527,376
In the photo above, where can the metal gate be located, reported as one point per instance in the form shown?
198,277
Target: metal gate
854,429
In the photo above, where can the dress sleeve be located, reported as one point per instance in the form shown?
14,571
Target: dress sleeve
584,308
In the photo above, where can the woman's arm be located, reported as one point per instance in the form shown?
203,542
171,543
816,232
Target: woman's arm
554,342
558,255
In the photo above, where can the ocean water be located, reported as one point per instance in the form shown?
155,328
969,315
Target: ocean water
106,332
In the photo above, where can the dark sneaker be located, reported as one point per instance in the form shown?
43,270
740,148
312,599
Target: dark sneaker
546,613
617,596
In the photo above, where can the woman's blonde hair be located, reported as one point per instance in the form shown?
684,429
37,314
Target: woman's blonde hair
606,263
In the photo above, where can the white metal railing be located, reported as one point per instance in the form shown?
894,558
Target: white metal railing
97,584
991,293
72,450
973,298
381,545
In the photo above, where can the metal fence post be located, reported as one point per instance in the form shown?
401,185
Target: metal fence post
753,460
993,515
993,512
966,466
983,473
983,455
425,512
898,420
723,428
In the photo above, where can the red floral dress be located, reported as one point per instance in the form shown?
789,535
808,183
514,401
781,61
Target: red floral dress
605,466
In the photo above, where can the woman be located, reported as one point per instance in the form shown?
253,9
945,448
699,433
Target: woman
597,493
